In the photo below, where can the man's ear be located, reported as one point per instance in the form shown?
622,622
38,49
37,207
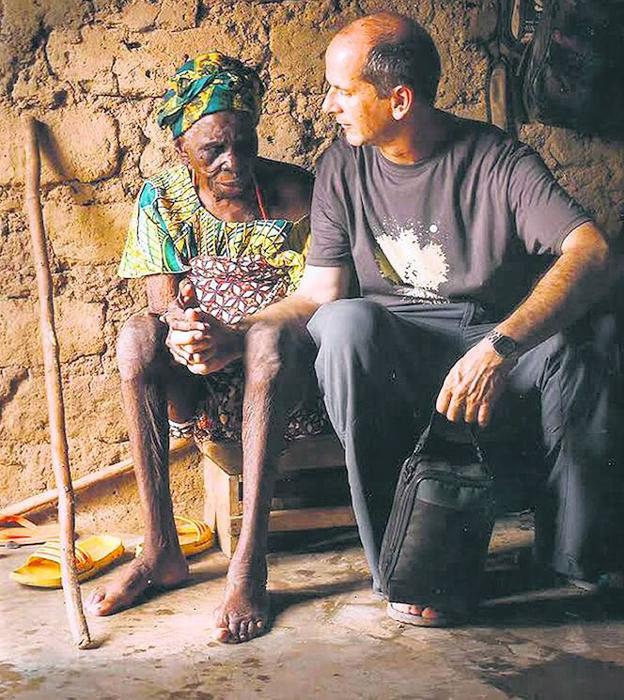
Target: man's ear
401,100
179,146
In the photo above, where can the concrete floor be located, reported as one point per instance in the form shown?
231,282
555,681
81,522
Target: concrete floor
330,638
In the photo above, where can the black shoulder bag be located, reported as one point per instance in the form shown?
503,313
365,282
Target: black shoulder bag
436,540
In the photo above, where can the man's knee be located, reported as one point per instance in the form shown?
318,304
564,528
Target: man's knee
140,346
345,323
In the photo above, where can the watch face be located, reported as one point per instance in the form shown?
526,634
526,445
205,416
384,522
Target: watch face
504,345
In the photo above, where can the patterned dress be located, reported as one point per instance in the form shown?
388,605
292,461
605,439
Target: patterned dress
237,268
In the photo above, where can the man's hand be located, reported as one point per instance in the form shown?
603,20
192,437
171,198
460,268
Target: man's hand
474,384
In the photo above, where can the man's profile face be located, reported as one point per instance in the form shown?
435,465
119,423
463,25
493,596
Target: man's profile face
222,148
366,118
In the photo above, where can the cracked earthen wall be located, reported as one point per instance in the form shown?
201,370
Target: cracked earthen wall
92,71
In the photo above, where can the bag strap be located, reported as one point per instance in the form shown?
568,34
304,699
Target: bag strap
506,29
474,431
428,434
499,96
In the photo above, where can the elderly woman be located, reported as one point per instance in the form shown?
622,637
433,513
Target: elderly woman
236,226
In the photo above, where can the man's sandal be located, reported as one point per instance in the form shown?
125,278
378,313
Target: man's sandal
442,619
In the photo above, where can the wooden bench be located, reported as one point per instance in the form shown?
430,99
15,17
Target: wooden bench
310,469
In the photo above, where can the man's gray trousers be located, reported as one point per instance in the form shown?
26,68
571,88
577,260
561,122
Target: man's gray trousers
379,371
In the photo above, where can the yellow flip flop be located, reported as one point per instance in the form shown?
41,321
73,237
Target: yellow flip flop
195,536
24,531
43,566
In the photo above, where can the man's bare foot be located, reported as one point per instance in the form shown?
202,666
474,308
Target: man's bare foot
137,578
244,613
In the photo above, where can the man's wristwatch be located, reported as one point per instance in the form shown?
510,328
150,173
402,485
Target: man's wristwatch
503,345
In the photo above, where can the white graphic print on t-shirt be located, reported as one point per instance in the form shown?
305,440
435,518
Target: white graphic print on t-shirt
411,256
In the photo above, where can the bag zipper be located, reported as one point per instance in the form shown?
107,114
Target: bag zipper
406,505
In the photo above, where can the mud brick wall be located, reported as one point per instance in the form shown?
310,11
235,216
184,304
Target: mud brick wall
92,71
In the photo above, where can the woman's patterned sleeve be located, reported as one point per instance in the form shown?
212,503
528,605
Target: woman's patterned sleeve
149,247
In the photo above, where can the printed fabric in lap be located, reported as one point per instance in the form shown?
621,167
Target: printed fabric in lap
230,290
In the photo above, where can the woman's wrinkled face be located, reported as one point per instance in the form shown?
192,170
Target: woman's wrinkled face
221,149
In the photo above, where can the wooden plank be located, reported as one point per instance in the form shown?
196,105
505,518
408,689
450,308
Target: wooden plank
227,507
311,488
228,543
317,452
305,519
223,480
229,536
311,518
210,495
228,456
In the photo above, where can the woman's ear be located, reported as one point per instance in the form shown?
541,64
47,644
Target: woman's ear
181,150
401,100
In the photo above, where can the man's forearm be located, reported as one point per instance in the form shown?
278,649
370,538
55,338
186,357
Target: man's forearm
574,283
319,285
295,309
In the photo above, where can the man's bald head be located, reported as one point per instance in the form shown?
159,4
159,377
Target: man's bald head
399,52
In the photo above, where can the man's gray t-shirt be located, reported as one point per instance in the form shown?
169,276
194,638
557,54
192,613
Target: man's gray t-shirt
475,222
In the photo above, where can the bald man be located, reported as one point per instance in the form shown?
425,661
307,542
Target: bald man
473,266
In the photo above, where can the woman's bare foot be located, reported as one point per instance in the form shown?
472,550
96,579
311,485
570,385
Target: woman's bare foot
137,578
244,613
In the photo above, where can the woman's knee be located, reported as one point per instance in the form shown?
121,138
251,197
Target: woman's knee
140,345
266,351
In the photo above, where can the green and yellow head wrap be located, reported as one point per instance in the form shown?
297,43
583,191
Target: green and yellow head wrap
207,84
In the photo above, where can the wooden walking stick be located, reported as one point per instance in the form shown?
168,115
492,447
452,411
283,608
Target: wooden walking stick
54,391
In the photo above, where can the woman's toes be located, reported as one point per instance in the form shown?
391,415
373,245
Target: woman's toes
222,634
221,629
234,628
95,597
256,628
242,634
248,628
94,602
